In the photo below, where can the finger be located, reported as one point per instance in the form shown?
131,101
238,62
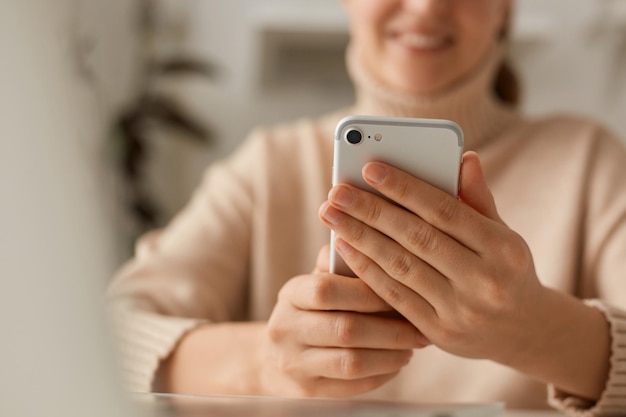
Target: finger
353,364
436,207
406,301
323,260
421,257
474,190
340,388
333,292
356,330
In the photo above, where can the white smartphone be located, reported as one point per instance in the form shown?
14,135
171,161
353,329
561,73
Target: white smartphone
429,149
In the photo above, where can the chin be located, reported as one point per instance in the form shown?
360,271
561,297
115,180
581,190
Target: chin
426,84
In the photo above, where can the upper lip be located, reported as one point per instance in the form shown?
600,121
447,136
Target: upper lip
423,38
423,32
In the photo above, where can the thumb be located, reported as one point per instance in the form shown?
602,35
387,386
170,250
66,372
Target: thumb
474,190
323,260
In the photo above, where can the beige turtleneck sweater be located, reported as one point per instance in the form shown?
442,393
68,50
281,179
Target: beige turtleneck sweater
253,224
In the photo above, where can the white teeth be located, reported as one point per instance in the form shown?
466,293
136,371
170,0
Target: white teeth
418,41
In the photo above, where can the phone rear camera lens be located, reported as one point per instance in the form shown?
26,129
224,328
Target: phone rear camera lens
354,136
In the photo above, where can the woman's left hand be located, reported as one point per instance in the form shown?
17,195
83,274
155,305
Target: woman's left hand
450,266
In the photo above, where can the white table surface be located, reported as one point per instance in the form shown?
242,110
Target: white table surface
161,405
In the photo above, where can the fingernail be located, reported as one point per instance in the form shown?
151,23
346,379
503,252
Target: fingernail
375,173
331,215
342,196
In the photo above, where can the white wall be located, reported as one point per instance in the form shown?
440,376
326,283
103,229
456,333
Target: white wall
56,241
572,57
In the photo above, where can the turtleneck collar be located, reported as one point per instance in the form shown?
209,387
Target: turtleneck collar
470,102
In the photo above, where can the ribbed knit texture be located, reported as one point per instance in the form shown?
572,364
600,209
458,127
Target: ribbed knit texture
613,400
144,339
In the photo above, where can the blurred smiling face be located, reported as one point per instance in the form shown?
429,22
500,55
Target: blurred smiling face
424,46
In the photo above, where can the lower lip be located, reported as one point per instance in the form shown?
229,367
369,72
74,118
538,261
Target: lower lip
413,49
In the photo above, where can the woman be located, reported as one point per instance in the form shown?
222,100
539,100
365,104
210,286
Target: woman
514,286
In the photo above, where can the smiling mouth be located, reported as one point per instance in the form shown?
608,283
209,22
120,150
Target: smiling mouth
422,42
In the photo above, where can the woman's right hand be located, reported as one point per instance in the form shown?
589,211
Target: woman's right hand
332,336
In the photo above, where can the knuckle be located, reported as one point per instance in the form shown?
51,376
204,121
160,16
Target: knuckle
392,293
275,330
515,252
474,319
350,364
323,289
287,290
346,329
359,235
445,210
496,295
421,236
472,316
374,212
400,265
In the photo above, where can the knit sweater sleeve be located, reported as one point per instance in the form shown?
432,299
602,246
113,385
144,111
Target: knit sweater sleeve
143,340
603,264
613,399
193,271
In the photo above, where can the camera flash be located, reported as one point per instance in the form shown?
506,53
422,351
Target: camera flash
378,137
